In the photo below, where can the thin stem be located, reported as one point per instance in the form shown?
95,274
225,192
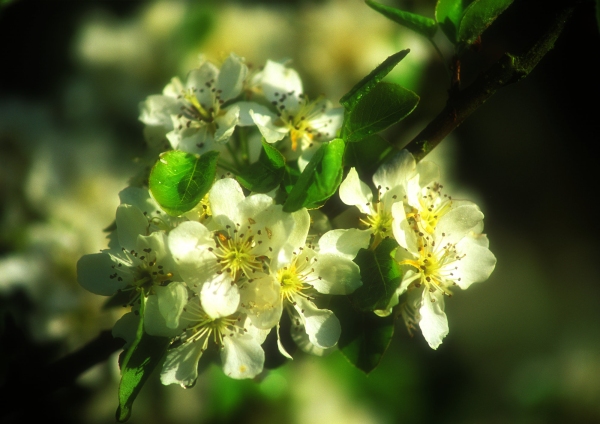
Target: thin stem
231,150
243,135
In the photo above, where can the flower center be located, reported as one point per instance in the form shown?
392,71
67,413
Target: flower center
202,326
291,283
436,266
434,205
299,121
142,269
380,222
234,253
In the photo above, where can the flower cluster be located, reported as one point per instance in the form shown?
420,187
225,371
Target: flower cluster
202,114
440,240
221,272
225,281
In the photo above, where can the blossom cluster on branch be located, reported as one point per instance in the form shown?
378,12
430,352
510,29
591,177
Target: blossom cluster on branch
217,247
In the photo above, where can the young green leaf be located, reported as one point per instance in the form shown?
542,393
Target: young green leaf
179,180
320,179
420,24
448,14
365,336
266,174
367,154
144,354
384,105
380,275
365,85
478,16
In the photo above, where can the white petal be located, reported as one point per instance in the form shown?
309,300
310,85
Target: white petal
94,274
171,301
476,265
197,78
189,244
402,230
433,323
261,300
336,275
242,356
131,222
280,345
156,110
278,80
328,123
395,172
219,297
322,326
224,197
457,223
345,243
231,77
226,124
154,320
264,122
246,107
282,233
290,232
181,365
303,341
154,247
141,199
354,192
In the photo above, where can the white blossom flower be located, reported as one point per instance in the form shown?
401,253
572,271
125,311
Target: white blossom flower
199,116
138,259
293,284
392,181
239,344
216,258
453,255
307,123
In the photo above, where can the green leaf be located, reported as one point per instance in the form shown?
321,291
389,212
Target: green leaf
420,24
448,14
266,174
144,354
384,105
366,84
179,180
478,16
320,179
367,154
380,275
365,336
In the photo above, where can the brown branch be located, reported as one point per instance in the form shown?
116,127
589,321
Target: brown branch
507,70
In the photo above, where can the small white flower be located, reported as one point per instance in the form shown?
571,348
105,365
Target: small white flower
433,264
140,260
307,123
292,285
238,341
391,180
201,115
242,233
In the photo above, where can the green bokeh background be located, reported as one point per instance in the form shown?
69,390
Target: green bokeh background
524,347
